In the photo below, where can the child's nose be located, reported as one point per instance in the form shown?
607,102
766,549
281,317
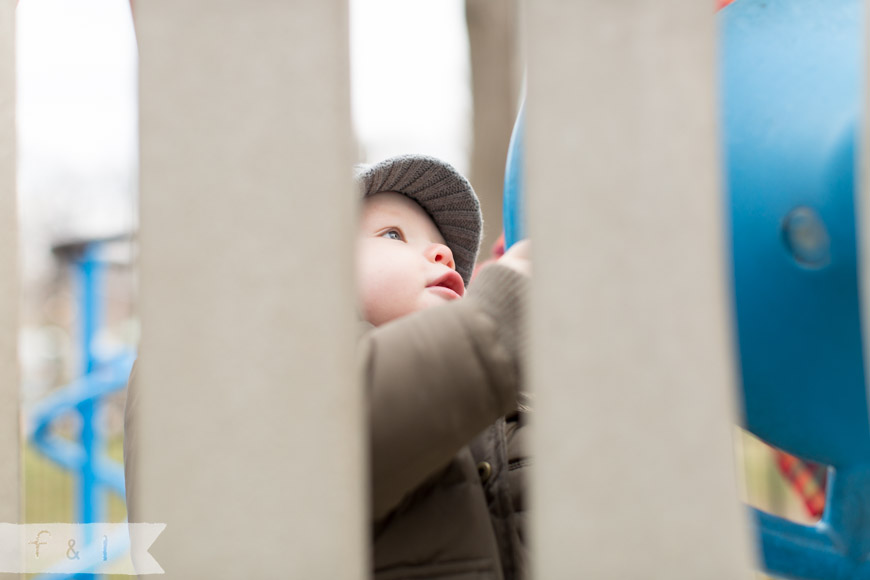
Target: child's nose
440,254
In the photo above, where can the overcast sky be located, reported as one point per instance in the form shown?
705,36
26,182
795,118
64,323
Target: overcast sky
77,110
428,108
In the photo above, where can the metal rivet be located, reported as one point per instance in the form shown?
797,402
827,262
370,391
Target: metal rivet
806,237
484,470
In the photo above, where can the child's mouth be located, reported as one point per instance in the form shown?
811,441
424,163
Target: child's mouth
444,292
449,286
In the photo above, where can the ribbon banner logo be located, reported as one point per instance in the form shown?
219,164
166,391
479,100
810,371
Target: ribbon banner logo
79,548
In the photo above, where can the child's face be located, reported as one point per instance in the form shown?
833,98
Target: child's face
403,264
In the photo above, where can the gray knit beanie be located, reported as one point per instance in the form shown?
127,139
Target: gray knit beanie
440,190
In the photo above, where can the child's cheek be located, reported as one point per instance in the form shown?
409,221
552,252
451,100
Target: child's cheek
373,280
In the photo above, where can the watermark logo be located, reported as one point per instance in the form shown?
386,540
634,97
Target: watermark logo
79,548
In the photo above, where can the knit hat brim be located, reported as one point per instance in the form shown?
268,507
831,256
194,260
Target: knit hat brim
442,192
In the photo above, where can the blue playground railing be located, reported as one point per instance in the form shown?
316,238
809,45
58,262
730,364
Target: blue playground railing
86,459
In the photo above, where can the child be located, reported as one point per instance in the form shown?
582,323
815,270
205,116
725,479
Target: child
442,368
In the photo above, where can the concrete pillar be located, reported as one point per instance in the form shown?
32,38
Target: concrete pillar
250,443
633,363
496,76
10,443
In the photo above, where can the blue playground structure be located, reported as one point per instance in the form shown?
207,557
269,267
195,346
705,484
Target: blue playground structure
93,472
791,76
513,200
792,97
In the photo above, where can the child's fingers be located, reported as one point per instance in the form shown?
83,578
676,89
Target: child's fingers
518,257
520,249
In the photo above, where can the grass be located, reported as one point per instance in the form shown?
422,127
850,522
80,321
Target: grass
48,491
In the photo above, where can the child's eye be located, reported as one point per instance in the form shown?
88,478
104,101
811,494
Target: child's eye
393,234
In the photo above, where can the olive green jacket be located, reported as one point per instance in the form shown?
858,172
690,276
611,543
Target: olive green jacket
446,465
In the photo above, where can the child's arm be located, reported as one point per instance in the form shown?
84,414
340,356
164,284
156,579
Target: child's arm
438,377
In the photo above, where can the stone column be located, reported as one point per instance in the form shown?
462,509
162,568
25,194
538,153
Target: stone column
10,408
633,361
248,421
496,76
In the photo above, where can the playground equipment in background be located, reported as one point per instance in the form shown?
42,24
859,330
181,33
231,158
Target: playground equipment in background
514,176
101,375
791,76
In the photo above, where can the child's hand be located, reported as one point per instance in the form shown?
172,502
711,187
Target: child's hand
518,258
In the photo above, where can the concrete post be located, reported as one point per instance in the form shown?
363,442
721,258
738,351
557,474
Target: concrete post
250,442
496,76
632,357
10,408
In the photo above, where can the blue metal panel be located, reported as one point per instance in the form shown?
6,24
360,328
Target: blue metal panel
791,77
834,549
791,73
